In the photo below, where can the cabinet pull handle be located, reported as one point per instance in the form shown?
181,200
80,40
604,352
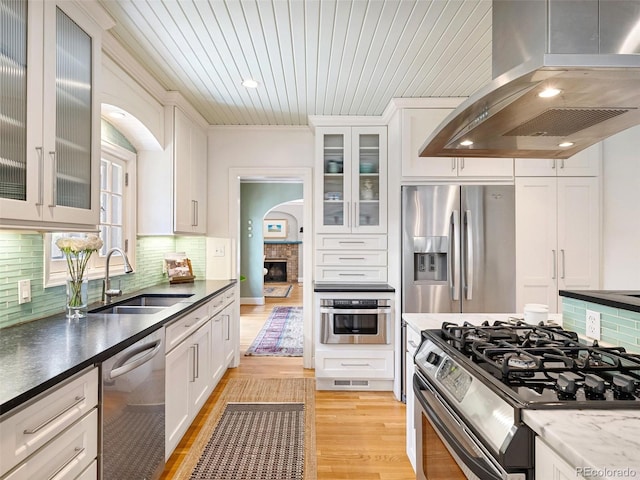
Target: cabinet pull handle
413,344
562,163
193,363
351,258
351,274
462,164
563,272
553,272
347,213
343,364
77,400
228,327
356,217
41,177
346,242
553,164
76,453
194,213
54,186
453,164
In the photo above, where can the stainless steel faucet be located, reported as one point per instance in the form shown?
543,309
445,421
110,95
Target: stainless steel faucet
107,291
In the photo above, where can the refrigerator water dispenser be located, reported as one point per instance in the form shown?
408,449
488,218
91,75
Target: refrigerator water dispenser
430,259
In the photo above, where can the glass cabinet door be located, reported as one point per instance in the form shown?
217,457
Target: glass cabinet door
13,104
73,114
368,173
335,185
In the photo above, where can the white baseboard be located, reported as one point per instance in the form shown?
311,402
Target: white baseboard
251,300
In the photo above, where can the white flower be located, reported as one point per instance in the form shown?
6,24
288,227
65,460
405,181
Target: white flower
77,252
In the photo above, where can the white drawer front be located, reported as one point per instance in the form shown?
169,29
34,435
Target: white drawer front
351,274
91,473
30,428
217,303
183,327
364,364
352,242
66,457
331,257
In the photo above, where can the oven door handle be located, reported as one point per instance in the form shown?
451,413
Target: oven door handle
356,311
483,470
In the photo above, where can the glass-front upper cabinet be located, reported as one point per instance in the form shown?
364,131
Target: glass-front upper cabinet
50,113
352,162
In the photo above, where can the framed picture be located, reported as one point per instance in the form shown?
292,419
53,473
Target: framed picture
274,228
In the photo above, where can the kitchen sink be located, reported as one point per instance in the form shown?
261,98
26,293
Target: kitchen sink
141,304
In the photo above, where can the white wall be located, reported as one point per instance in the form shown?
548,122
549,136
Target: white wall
251,146
621,211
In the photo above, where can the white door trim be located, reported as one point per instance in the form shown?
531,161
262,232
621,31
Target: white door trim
305,174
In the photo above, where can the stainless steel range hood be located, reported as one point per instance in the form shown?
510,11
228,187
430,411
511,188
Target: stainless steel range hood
588,50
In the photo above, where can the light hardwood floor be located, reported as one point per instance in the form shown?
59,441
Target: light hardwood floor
359,435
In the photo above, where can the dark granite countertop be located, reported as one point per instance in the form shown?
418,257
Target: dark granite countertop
352,287
39,354
624,299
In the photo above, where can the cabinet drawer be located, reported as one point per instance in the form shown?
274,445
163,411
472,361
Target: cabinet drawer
30,428
352,242
183,327
361,364
229,296
331,257
66,457
91,473
351,274
216,304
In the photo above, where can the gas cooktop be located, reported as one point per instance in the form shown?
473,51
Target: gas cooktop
539,366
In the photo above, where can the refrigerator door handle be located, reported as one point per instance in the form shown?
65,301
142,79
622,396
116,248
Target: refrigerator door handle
454,246
469,260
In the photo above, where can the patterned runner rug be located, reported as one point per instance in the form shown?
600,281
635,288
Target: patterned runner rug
281,335
262,441
277,291
249,411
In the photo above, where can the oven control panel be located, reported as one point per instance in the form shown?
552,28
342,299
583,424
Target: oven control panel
454,379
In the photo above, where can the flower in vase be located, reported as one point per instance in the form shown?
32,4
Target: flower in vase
77,252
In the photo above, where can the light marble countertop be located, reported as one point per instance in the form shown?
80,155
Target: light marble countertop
602,442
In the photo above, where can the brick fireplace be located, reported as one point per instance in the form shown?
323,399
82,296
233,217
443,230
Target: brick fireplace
281,257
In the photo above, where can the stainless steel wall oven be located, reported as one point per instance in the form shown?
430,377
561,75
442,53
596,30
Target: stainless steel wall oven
365,321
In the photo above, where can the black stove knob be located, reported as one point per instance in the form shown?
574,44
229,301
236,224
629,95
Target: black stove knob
593,384
567,383
433,358
623,384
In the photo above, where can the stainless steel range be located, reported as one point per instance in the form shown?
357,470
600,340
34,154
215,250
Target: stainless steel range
472,383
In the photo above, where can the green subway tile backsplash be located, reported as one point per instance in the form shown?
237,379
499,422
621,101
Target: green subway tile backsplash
21,257
618,326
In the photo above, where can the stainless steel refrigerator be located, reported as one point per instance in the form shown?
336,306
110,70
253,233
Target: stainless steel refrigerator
458,249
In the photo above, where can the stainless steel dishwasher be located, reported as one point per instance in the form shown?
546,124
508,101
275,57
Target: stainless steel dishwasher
133,415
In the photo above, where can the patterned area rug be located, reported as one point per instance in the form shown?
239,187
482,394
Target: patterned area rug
281,335
277,291
294,391
262,441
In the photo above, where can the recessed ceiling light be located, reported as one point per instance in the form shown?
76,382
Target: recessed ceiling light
117,114
565,144
466,143
549,92
250,83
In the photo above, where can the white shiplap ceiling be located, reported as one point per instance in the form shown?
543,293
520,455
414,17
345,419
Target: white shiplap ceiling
311,57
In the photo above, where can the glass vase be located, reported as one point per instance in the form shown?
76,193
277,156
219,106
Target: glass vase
77,298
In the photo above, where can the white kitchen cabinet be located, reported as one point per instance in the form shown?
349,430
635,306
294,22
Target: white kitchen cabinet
557,238
413,340
172,184
351,179
351,258
50,133
417,125
190,175
55,434
354,368
550,466
217,347
188,376
586,163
